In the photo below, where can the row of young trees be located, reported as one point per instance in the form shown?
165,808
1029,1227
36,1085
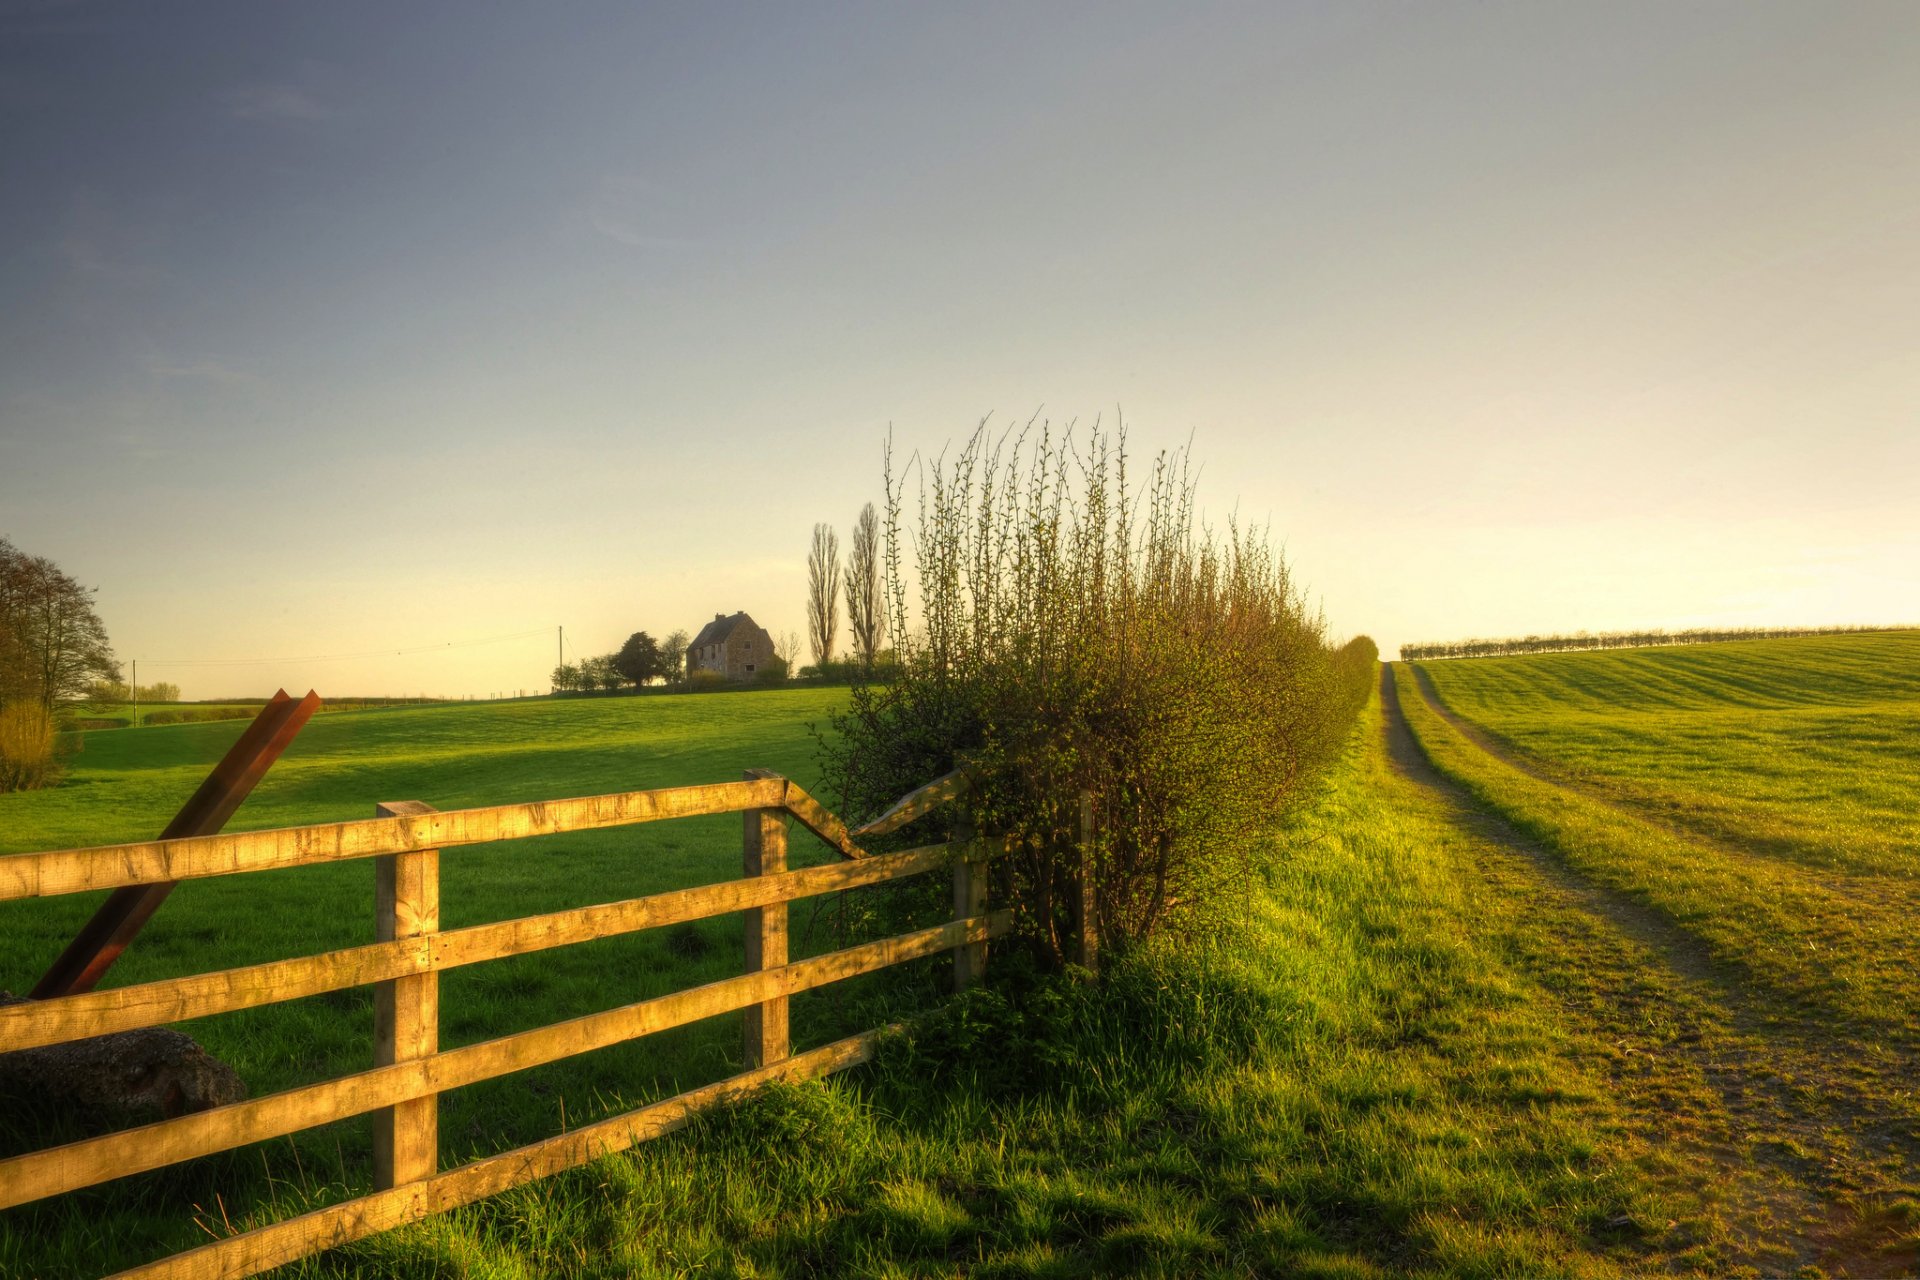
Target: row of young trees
1075,635
53,648
120,691
1581,640
859,585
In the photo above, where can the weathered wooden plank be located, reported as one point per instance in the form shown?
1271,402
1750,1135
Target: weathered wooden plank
40,875
94,1160
764,853
284,1242
406,1011
914,804
35,1023
816,818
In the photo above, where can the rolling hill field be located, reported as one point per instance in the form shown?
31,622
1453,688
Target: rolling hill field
1750,813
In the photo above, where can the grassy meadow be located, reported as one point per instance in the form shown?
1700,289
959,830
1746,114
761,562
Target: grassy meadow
1499,1001
1747,810
127,783
1358,1080
1787,747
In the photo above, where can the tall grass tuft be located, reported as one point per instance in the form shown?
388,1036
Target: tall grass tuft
1077,633
27,741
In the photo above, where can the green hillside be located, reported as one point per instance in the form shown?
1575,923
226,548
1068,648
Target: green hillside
1799,748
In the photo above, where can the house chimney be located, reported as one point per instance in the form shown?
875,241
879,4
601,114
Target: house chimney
719,617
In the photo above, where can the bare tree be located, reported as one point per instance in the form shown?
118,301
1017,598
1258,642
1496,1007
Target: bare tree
823,592
53,646
866,611
786,647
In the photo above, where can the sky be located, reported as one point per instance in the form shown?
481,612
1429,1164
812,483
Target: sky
360,347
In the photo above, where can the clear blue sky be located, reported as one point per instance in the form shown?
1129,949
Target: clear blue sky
352,329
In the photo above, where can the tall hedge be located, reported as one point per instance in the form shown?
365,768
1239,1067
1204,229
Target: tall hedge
1062,630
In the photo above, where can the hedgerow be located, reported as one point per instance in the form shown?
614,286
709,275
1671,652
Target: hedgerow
1072,634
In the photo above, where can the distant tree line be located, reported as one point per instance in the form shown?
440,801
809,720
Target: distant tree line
117,690
641,661
1581,640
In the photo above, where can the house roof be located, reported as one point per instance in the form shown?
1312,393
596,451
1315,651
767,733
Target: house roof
720,629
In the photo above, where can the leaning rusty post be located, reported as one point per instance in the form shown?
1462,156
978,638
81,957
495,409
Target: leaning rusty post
1086,924
406,1011
763,848
969,900
102,939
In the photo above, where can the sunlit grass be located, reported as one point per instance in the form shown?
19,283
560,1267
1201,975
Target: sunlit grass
1838,946
1793,748
1363,1078
1355,1082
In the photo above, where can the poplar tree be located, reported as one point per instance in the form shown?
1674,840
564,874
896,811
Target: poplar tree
823,593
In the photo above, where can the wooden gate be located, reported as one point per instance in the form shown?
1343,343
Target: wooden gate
401,1090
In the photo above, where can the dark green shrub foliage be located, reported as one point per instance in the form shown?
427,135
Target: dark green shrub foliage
1075,634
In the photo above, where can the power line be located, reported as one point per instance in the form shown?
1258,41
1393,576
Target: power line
343,657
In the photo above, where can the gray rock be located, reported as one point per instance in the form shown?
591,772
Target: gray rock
146,1074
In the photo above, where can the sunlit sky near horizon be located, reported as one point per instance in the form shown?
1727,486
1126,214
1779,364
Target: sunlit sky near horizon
350,330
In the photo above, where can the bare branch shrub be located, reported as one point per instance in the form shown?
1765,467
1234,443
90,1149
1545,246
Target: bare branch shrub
1076,634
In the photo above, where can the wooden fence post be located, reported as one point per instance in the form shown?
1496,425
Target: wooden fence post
764,852
406,1011
969,900
1086,923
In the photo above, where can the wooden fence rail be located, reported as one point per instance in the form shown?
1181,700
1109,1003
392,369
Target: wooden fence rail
409,1072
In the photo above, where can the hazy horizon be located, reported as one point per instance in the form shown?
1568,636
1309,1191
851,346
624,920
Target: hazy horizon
357,331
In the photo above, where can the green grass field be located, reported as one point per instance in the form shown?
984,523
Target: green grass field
1751,809
1788,747
1487,1010
126,784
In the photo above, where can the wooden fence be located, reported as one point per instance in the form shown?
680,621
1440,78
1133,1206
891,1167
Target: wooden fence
401,1090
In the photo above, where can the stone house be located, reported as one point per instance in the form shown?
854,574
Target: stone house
732,644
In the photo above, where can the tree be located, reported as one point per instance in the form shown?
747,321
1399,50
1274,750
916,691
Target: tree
639,658
53,646
786,647
566,678
866,611
823,592
600,673
673,656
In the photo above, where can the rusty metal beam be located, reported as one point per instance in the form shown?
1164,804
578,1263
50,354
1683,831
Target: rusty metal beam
120,917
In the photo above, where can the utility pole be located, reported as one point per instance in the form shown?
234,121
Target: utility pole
136,693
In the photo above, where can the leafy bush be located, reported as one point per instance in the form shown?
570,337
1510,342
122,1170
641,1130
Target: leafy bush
27,756
1076,635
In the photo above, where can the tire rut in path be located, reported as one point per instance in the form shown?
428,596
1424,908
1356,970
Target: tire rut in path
1791,1157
